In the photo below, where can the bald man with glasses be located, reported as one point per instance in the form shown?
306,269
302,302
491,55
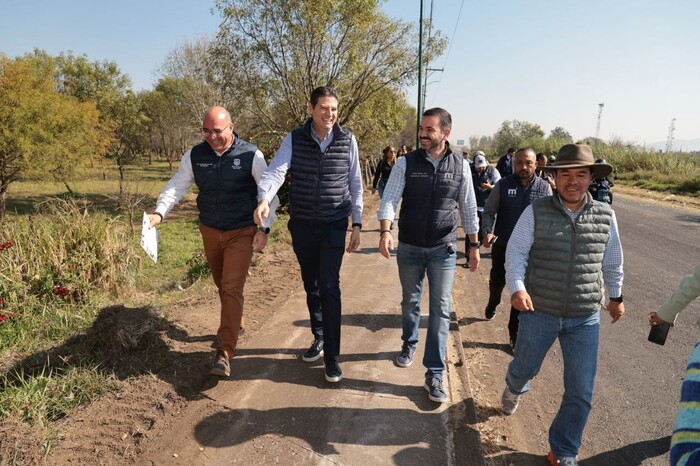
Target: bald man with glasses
226,170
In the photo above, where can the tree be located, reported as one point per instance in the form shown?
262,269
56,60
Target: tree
514,133
200,84
41,130
273,53
170,124
561,134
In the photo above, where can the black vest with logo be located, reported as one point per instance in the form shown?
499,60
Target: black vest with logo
514,197
430,206
227,190
319,188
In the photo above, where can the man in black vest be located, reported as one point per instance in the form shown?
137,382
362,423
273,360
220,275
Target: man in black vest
436,187
507,201
226,170
326,189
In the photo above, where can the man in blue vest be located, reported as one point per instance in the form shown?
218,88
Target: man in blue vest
226,170
326,189
504,205
438,195
564,249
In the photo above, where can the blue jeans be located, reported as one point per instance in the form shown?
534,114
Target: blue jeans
578,338
439,263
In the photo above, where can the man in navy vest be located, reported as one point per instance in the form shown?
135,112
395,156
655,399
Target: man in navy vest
226,170
505,163
326,189
506,202
438,195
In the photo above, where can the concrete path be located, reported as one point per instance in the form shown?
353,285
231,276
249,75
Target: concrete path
275,408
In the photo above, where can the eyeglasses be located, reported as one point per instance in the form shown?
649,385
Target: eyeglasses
215,132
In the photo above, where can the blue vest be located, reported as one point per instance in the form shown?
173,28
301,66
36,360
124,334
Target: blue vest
227,190
430,206
319,188
514,197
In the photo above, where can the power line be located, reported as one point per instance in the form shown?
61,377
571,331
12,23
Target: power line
449,49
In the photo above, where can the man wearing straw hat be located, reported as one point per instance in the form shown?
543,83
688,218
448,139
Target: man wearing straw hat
562,250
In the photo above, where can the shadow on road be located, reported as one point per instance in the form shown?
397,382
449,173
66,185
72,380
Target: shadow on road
632,454
320,429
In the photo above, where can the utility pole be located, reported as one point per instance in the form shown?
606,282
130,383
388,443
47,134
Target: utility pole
669,140
420,71
597,128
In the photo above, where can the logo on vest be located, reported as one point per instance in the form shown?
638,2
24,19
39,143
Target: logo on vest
236,164
512,192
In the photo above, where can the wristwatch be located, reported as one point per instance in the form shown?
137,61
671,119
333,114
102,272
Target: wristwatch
265,230
475,245
617,300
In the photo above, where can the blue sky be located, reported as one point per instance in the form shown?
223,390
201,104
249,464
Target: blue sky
549,62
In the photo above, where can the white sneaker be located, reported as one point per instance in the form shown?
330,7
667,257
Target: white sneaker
509,401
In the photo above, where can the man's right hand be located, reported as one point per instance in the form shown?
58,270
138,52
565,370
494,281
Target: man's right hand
386,244
488,237
153,220
521,301
261,211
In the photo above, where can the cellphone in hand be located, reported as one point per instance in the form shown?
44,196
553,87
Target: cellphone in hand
659,332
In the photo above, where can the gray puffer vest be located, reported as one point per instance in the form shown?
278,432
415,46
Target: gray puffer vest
564,273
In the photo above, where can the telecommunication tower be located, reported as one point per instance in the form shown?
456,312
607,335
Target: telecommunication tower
669,139
600,113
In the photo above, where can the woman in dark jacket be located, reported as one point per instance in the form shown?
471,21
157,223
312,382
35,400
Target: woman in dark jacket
381,175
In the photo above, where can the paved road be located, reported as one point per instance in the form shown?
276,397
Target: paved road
638,382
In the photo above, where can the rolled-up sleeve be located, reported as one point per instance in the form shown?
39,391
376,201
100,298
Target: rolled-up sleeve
467,202
393,191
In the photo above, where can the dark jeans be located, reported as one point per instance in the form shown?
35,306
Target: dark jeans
497,281
319,249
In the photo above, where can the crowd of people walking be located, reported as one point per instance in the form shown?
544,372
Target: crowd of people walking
548,223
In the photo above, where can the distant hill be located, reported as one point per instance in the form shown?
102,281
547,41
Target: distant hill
685,145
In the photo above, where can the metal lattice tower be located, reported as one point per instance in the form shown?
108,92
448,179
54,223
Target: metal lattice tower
597,127
669,139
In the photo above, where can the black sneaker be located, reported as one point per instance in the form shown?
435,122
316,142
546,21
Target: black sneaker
333,372
221,366
314,352
405,359
489,312
436,392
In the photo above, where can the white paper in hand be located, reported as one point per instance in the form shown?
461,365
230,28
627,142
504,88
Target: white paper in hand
149,239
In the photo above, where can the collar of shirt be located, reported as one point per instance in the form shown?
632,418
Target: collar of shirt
571,213
326,138
227,148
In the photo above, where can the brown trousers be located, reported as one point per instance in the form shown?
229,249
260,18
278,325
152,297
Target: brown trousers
228,255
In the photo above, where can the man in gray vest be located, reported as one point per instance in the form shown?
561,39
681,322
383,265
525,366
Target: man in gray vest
562,252
326,189
436,187
504,205
226,170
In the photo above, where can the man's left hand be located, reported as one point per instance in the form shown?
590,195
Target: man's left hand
474,258
354,240
259,241
615,309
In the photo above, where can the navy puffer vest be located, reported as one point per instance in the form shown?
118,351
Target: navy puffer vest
227,190
514,197
430,207
319,190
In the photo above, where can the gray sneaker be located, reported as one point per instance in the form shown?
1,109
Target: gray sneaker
509,401
405,359
555,460
221,366
436,392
